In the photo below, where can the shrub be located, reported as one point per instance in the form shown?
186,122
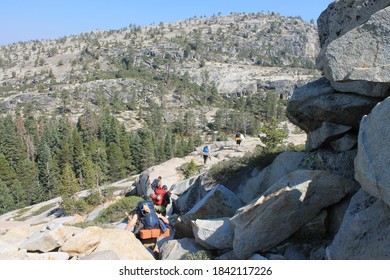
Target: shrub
200,255
191,169
73,206
116,211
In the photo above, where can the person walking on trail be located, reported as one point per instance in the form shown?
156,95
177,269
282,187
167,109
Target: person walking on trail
239,138
206,154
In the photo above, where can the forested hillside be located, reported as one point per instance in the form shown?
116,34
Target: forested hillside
89,109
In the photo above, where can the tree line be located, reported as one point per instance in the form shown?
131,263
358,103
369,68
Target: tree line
45,157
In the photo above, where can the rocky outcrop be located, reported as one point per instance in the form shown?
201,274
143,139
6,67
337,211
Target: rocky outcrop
67,242
364,233
219,202
373,160
285,207
347,109
318,102
213,234
257,181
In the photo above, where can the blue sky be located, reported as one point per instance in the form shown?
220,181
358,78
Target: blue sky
24,20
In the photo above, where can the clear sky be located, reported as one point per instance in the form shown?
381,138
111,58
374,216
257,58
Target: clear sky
24,20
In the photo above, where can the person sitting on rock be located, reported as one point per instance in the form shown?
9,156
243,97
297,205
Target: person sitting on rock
145,217
159,198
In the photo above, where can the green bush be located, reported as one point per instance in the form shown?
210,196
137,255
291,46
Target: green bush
74,206
191,169
200,255
116,211
94,199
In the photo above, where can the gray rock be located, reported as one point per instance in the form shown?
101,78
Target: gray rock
258,181
337,163
345,143
214,233
219,202
325,134
285,207
187,193
317,102
342,16
373,157
177,249
364,234
365,62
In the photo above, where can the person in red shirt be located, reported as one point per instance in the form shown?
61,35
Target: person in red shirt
158,198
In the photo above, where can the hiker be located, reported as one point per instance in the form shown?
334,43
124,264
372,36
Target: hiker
156,183
145,217
206,154
239,138
160,199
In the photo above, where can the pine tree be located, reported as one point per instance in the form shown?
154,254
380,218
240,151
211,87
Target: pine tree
147,158
93,175
273,136
7,173
168,149
125,148
116,163
27,172
12,147
42,191
135,148
190,147
6,201
78,155
18,194
88,125
68,183
98,154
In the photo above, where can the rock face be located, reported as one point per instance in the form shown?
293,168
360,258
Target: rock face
348,106
318,102
286,206
364,233
373,160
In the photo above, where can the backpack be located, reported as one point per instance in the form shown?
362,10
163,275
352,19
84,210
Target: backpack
206,150
167,199
149,220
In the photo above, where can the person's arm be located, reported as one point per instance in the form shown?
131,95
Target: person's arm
131,221
163,218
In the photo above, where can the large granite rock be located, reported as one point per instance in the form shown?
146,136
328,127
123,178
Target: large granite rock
219,202
214,233
258,181
373,158
364,233
359,60
285,207
317,102
344,15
